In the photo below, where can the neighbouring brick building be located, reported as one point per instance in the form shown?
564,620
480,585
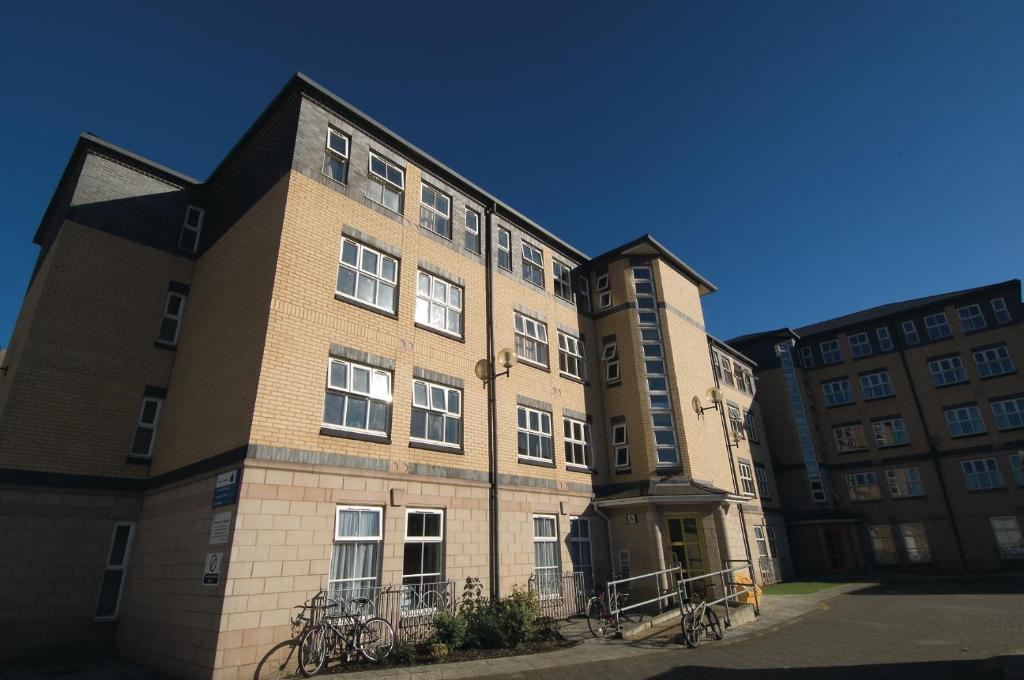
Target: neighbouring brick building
223,395
898,433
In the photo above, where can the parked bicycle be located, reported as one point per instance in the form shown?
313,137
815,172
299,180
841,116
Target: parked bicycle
699,620
343,630
601,614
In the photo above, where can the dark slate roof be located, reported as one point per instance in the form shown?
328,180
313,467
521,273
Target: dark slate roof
731,350
669,486
648,242
755,337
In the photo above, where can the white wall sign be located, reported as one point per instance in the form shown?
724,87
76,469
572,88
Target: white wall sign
211,569
220,529
630,518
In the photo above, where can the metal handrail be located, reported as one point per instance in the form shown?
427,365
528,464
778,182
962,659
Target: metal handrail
729,593
612,592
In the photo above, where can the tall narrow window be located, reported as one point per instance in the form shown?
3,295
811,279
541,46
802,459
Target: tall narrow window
747,478
435,211
910,333
533,265
579,550
750,425
191,228
971,318
438,304
904,482
358,398
807,356
583,297
915,542
604,292
884,339
1000,311
109,602
735,421
993,361
355,558
964,421
385,185
1008,537
762,545
620,444
531,340
174,309
561,275
882,545
146,426
1017,467
727,376
572,360
367,276
762,481
336,156
504,248
535,440
423,561
578,451
610,356
937,326
436,414
772,545
546,555
472,240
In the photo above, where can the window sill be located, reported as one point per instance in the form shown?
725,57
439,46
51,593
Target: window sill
614,383
159,344
538,463
988,489
359,436
432,231
898,499
848,403
1011,429
893,446
958,437
367,307
436,331
581,469
531,364
668,469
851,452
571,378
887,396
335,179
140,460
999,375
954,384
384,207
623,470
440,448
865,500
535,285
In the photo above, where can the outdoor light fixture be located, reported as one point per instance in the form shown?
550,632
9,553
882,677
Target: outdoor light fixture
736,436
714,395
485,370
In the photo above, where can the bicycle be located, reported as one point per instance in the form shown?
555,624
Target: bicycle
346,629
699,619
601,617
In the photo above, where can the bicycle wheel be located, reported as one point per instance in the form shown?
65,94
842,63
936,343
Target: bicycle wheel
691,630
713,625
376,639
598,620
313,651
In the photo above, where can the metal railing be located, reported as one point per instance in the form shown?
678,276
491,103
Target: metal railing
561,596
731,588
630,584
410,609
771,570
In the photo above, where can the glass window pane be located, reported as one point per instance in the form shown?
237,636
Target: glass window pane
339,375
366,289
355,414
346,280
378,416
361,379
334,406
350,253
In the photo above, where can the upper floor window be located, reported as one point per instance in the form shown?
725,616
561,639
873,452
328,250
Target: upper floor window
876,385
863,486
837,392
438,304
860,345
910,333
884,339
982,473
571,356
385,184
358,398
964,421
1009,413
367,275
890,432
665,439
904,482
971,318
807,356
762,481
993,361
533,265
436,414
1000,311
562,279
472,239
577,443
174,308
727,374
535,434
735,421
947,371
531,340
336,156
747,478
435,211
849,438
191,228
504,248
610,356
146,426
621,445
830,352
937,326
583,299
109,602
604,293
1017,467
751,426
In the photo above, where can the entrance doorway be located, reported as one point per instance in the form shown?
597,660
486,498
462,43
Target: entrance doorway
686,544
836,549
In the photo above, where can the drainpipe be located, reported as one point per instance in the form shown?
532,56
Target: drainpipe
492,411
608,529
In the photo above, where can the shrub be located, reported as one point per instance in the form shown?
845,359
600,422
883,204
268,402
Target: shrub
519,613
404,653
438,651
472,596
450,629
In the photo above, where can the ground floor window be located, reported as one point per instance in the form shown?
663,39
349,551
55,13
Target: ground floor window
1008,538
915,542
545,554
355,559
423,561
580,550
109,601
882,545
762,544
773,545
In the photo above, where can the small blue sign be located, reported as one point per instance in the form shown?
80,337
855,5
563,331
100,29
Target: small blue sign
225,491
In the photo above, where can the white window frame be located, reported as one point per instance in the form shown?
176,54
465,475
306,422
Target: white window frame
121,568
378,538
532,263
341,156
747,478
176,318
762,544
571,349
1017,467
860,345
807,356
885,343
587,568
836,389
414,606
604,292
937,326
452,304
877,385
863,486
882,539
561,279
910,335
830,352
993,356
915,532
904,482
431,216
429,407
846,438
472,231
372,394
538,339
141,425
947,371
506,249
1008,418
728,377
971,318
955,419
378,276
547,589
896,426
1008,538
577,440
620,446
1000,311
761,477
750,424
538,432
384,182
610,356
196,229
982,473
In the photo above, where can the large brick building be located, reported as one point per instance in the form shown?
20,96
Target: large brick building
275,369
898,433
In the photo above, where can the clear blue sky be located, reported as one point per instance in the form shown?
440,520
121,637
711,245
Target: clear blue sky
810,158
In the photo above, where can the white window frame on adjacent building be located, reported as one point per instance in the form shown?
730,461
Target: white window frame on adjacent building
471,239
885,343
747,478
419,589
341,379
830,353
877,385
579,451
435,211
964,421
1000,311
910,335
883,547
533,264
604,293
937,326
897,432
170,326
728,377
146,427
993,361
115,570
762,544
439,304
561,279
583,297
610,356
504,249
947,370
531,340
904,482
620,446
336,152
368,536
572,356
863,486
534,430
372,273
849,438
763,488
436,404
860,345
837,392
1007,534
982,473
915,542
386,181
191,229
1017,467
1008,413
546,555
971,318
807,356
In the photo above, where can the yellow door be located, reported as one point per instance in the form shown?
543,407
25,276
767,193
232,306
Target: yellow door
686,544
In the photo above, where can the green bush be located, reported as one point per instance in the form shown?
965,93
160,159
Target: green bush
519,615
450,629
438,651
404,653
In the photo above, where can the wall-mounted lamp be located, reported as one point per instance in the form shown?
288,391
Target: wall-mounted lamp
485,370
736,437
714,395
